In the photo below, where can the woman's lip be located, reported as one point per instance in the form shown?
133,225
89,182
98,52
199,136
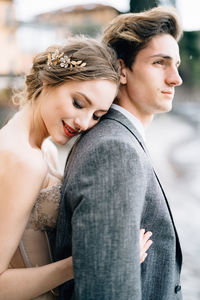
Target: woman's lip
67,132
70,128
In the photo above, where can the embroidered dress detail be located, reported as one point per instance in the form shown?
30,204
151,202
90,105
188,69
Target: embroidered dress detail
45,210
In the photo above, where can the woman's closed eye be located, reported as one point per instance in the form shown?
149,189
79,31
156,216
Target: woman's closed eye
77,103
96,118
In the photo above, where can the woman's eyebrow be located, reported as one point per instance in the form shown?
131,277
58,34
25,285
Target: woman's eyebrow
85,97
89,101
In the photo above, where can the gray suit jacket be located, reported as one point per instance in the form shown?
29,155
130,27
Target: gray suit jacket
110,191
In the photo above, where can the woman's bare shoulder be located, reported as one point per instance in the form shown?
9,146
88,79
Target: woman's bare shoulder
16,156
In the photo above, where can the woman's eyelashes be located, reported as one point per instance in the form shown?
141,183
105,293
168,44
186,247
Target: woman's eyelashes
77,103
96,118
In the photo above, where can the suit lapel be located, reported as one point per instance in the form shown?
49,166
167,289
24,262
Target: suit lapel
117,116
120,118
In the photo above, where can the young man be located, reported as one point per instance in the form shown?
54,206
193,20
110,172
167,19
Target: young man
110,188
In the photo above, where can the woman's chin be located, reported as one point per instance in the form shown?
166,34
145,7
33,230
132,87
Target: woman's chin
60,141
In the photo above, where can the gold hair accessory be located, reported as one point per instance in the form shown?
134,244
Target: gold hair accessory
59,59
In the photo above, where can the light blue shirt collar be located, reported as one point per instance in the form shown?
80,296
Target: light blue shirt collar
136,123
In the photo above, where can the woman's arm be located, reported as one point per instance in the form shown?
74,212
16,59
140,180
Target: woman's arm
21,178
23,284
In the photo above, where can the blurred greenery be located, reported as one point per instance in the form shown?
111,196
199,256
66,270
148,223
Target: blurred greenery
5,97
87,28
190,58
138,5
7,108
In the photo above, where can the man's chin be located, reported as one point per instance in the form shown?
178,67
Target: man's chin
166,108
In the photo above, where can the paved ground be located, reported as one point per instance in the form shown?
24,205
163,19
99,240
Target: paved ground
175,148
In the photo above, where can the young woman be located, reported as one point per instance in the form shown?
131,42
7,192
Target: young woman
68,90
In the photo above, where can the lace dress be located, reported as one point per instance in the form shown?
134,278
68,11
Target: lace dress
34,249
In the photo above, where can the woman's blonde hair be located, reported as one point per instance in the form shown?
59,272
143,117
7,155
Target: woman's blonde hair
127,34
98,62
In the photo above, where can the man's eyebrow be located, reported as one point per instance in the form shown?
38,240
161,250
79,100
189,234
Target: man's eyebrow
165,57
89,101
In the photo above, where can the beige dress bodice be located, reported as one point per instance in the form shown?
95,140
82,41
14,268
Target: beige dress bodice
34,248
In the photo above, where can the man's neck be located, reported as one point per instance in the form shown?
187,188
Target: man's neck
136,122
145,119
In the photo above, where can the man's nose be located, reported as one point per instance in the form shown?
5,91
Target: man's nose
173,77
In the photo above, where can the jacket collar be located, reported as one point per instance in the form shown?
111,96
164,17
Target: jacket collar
117,116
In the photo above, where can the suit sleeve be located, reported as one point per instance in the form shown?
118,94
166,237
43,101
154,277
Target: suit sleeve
109,184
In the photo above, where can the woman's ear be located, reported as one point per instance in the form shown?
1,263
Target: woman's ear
44,83
123,71
45,87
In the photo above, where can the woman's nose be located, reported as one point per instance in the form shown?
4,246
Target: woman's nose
83,123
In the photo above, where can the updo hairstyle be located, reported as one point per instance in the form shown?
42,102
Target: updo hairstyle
100,62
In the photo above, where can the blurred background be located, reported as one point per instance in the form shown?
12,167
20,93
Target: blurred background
29,26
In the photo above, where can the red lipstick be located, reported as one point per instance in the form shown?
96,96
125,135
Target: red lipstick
68,130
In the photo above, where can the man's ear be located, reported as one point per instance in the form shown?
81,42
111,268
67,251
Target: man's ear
123,71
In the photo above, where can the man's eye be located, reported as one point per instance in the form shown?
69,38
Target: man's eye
77,104
96,118
159,62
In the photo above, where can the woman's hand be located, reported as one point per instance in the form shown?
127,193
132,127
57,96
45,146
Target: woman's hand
145,243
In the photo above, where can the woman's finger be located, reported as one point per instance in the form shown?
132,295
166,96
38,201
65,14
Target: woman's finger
147,236
145,243
143,257
142,232
144,237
